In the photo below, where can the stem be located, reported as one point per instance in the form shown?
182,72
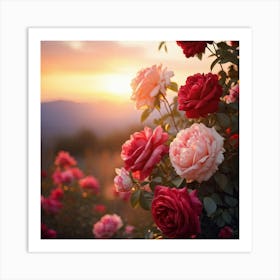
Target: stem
167,105
216,56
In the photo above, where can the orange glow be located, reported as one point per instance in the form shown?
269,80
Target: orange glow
85,71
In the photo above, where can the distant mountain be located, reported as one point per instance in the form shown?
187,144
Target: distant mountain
60,118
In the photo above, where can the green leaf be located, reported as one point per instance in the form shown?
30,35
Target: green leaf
209,205
223,120
178,182
223,183
221,180
220,221
146,200
217,198
134,199
226,216
214,63
145,114
231,201
173,86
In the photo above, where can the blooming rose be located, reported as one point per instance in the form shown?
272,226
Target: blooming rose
200,95
51,205
107,226
233,94
90,183
64,159
176,212
148,83
191,48
196,152
143,151
226,232
122,181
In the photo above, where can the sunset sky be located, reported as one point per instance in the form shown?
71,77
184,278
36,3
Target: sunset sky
85,71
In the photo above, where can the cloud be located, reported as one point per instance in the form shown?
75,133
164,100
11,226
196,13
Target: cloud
85,56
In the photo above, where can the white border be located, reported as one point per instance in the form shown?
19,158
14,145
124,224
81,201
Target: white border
36,35
263,260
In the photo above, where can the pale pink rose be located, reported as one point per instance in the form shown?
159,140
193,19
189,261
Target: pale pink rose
143,151
148,83
107,226
233,95
90,183
64,159
196,152
122,181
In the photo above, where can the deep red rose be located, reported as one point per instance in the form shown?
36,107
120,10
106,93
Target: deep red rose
143,151
191,48
176,212
226,232
200,95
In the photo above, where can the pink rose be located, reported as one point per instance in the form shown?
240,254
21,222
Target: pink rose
57,194
107,226
226,232
129,229
90,183
233,95
196,152
62,177
46,232
144,150
77,173
148,84
122,181
64,159
51,205
176,212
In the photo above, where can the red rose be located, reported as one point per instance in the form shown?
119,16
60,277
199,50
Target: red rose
191,48
143,151
176,212
226,232
200,95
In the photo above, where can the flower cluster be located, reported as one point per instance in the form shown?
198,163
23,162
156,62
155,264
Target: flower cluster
185,170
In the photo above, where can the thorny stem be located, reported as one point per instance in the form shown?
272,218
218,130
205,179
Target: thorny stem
167,105
215,54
